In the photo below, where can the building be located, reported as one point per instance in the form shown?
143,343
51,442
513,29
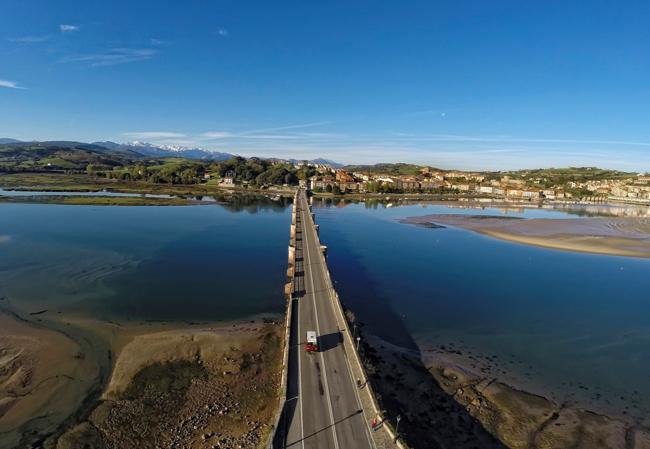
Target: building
229,178
549,194
514,193
530,194
430,185
408,184
343,176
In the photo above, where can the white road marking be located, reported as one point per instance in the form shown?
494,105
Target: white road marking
356,392
349,369
327,388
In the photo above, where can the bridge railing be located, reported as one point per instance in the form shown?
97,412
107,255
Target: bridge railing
288,291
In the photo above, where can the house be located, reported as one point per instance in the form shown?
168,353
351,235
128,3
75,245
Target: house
407,184
229,178
514,193
343,176
486,189
549,194
530,194
349,186
430,185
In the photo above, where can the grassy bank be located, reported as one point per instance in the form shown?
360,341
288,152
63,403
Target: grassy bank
61,182
100,200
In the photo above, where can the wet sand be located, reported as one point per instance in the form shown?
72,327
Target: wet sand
521,419
66,379
196,387
45,376
614,236
444,402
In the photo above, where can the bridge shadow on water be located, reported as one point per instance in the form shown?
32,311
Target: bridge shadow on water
431,418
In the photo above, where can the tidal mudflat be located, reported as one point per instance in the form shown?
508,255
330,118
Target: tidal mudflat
84,289
598,235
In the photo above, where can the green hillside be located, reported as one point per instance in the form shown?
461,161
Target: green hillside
56,156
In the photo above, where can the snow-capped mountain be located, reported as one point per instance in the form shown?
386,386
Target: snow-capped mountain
154,150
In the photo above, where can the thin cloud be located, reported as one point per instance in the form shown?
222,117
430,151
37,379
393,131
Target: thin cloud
10,84
114,56
217,135
223,32
66,28
154,135
28,39
284,128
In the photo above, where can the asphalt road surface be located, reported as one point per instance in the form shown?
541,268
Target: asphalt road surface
323,409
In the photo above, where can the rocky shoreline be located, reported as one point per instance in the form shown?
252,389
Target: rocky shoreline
521,419
447,405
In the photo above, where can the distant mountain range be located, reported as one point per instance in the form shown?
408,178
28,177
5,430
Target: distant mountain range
143,150
150,150
7,140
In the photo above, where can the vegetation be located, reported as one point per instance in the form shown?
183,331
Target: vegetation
52,156
99,163
547,177
100,200
388,169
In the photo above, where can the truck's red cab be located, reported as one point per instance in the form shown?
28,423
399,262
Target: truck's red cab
312,342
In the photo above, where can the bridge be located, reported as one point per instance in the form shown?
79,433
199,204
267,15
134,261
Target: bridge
328,402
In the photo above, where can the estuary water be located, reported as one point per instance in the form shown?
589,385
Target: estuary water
573,327
190,263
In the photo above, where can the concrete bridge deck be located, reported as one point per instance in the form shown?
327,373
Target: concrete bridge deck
324,407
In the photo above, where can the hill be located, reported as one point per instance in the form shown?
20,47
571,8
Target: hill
36,156
388,169
562,176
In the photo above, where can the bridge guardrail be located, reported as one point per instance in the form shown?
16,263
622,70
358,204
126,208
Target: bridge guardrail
287,329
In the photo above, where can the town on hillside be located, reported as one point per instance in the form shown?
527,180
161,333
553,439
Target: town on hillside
564,184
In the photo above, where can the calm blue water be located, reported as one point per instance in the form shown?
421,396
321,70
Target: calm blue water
144,263
575,325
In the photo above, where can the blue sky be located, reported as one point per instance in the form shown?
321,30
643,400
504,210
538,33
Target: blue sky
457,84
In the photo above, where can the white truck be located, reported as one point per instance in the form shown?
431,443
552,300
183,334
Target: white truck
312,342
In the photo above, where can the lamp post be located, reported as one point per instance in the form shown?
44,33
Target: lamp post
358,341
399,418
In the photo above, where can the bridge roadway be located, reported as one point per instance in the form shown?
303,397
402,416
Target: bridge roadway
323,408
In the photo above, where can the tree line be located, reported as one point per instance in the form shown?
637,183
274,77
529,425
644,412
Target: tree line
254,171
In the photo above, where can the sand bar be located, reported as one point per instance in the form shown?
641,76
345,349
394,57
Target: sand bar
613,236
